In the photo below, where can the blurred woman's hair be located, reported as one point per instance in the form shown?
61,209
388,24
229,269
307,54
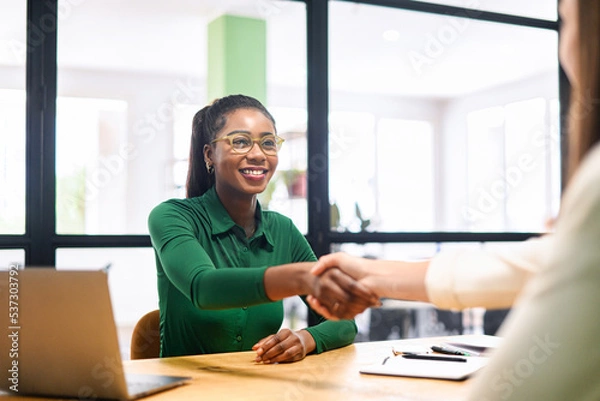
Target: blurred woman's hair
584,106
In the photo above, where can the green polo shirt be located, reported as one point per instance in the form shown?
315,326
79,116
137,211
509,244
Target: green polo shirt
210,278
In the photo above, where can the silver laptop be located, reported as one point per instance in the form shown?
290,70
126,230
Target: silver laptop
59,338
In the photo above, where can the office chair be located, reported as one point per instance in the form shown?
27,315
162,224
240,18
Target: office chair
145,340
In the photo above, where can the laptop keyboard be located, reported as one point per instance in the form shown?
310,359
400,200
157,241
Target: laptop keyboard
137,384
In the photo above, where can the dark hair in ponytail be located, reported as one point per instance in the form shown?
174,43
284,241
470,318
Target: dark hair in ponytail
205,125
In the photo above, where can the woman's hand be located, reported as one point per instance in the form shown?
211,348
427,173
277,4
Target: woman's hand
387,279
285,346
351,265
345,287
336,295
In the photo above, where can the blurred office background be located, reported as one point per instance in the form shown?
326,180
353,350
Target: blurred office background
441,122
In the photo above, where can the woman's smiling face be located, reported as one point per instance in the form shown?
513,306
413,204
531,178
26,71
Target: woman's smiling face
242,173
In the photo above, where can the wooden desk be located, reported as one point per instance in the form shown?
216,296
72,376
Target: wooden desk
331,376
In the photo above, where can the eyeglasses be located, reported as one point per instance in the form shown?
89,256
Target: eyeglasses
241,143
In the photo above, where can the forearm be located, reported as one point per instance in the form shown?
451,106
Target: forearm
399,280
288,280
492,278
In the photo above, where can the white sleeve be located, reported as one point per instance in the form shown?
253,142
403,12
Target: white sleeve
493,278
550,349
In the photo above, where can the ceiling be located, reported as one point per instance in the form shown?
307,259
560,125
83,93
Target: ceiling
372,49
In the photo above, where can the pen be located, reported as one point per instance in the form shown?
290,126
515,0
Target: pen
450,351
434,358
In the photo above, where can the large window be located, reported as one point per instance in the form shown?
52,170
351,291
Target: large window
446,72
124,117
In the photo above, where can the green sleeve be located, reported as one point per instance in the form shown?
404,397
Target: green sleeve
191,270
329,334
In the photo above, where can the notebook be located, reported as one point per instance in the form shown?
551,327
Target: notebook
430,369
475,351
61,338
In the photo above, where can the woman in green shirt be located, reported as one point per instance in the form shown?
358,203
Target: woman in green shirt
223,263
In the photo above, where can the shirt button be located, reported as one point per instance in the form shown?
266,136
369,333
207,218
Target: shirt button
245,249
244,307
239,338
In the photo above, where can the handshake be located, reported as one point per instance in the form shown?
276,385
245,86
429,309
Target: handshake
345,286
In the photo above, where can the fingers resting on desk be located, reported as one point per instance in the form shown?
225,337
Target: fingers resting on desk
285,346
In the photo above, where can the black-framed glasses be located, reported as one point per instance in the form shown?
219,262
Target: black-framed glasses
242,142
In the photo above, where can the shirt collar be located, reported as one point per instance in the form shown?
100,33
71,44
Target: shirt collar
221,222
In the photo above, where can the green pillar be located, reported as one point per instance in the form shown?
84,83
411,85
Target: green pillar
237,62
